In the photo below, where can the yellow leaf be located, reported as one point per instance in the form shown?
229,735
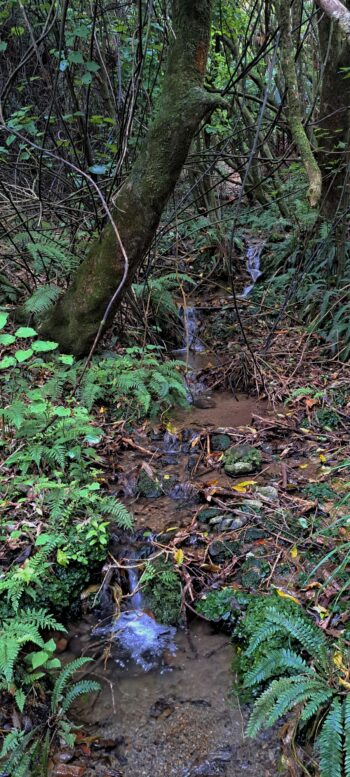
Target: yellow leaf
339,663
179,556
242,487
322,458
171,428
284,595
303,466
294,552
102,410
344,683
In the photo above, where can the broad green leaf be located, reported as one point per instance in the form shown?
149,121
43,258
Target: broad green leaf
25,331
44,345
39,658
93,67
43,539
86,79
50,645
65,358
22,356
76,57
7,339
3,319
7,361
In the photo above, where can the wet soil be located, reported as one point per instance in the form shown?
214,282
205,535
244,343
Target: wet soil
180,720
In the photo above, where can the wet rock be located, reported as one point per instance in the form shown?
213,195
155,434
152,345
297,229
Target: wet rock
64,757
220,442
253,571
255,534
216,521
204,403
241,460
207,514
162,708
252,505
215,764
219,550
267,492
68,770
147,486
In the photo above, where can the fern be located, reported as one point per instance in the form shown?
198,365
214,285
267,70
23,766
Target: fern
42,300
63,679
305,682
276,622
329,742
160,293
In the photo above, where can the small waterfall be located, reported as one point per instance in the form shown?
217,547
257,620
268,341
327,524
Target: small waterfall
192,341
137,636
135,595
253,257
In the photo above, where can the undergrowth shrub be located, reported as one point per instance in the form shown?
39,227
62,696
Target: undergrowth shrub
291,666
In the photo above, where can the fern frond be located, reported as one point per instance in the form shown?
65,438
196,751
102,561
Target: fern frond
308,635
317,701
329,742
276,662
346,714
78,689
63,678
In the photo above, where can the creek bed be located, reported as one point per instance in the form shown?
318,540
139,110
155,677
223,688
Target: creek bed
181,719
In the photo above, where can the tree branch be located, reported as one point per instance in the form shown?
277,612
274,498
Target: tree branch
338,13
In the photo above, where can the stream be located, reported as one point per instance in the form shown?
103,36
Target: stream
167,706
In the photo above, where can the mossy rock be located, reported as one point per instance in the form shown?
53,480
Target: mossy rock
242,460
151,488
208,513
220,442
253,571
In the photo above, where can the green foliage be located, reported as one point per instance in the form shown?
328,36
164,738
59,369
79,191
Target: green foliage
162,590
138,383
22,754
159,293
222,605
293,669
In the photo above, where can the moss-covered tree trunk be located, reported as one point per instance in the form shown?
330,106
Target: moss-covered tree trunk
333,126
76,318
295,118
333,131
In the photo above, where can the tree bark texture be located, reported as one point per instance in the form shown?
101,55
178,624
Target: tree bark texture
183,104
295,119
333,127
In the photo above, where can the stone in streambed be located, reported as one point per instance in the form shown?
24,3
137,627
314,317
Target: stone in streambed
267,492
148,487
241,460
207,514
220,442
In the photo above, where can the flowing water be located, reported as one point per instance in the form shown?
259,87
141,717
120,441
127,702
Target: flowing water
166,707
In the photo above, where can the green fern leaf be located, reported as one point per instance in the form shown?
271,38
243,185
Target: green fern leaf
329,742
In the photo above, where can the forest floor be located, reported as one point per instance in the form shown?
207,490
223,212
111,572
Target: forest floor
279,523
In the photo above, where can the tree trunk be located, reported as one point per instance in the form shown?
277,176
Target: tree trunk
295,119
333,127
333,132
76,318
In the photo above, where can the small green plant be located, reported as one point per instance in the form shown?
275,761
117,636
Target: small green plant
24,754
136,384
224,605
293,668
162,590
